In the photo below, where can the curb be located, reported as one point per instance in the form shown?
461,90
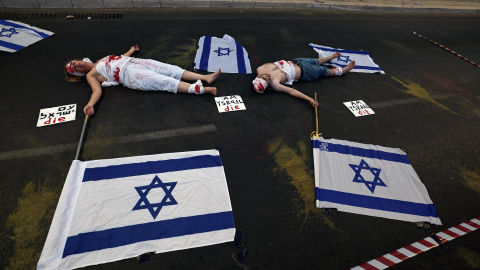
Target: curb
112,4
419,247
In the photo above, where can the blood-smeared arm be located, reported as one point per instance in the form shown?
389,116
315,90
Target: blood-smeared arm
97,93
131,51
285,89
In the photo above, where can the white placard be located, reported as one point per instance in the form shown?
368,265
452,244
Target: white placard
229,104
358,108
57,115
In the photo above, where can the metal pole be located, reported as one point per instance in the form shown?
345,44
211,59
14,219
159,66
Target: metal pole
81,137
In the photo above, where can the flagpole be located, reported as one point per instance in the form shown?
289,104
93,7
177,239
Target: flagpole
81,137
316,114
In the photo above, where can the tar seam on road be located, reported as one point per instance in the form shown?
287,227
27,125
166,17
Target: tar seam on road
407,101
32,152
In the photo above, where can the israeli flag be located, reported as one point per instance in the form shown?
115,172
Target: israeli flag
15,36
120,208
363,62
214,53
369,180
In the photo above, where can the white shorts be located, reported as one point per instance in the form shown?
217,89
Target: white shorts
146,74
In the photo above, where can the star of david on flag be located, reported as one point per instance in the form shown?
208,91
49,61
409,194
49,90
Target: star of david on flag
222,53
369,180
219,51
345,59
15,36
8,32
358,178
114,209
363,62
154,208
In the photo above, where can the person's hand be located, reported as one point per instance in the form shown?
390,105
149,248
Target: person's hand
313,102
88,110
135,48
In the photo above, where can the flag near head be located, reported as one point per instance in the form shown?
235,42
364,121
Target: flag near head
120,208
369,180
363,61
214,53
15,36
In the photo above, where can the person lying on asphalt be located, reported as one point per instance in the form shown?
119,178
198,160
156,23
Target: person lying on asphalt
135,73
276,74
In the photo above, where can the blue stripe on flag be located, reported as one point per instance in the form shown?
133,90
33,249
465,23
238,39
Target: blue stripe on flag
240,59
357,66
43,35
122,236
337,50
207,41
363,201
151,167
12,46
362,152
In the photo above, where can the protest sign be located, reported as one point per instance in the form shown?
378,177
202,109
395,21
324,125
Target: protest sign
56,115
358,108
229,104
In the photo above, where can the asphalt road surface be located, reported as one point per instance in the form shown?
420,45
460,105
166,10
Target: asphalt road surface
427,104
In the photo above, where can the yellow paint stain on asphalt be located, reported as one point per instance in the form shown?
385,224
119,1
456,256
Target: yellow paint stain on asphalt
472,258
183,55
416,90
472,178
30,223
293,160
161,47
476,111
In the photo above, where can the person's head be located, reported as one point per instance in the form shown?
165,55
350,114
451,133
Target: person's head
261,82
76,69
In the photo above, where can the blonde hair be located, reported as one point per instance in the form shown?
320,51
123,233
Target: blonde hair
69,77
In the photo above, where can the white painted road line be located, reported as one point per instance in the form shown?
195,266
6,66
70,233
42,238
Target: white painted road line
39,151
407,101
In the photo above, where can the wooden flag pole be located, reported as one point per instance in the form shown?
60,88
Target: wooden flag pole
316,114
81,137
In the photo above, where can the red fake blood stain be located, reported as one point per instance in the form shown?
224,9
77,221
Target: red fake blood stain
262,155
113,58
197,89
116,76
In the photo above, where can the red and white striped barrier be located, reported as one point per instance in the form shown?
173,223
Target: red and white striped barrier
445,48
421,246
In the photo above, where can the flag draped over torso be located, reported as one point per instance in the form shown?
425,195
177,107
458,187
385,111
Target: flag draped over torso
120,208
363,62
369,180
15,36
225,53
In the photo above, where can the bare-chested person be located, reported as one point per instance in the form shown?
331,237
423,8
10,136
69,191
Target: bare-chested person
285,72
135,73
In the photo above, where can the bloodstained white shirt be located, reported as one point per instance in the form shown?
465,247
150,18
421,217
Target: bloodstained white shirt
288,68
111,67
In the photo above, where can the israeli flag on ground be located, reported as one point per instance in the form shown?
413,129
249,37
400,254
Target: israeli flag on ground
120,208
15,36
369,180
214,53
363,61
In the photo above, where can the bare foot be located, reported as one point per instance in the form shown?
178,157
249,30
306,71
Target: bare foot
211,90
349,67
333,56
212,77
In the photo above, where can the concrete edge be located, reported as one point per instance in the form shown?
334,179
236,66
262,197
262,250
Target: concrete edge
86,4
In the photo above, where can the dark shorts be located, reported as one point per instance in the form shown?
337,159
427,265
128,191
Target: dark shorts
310,69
